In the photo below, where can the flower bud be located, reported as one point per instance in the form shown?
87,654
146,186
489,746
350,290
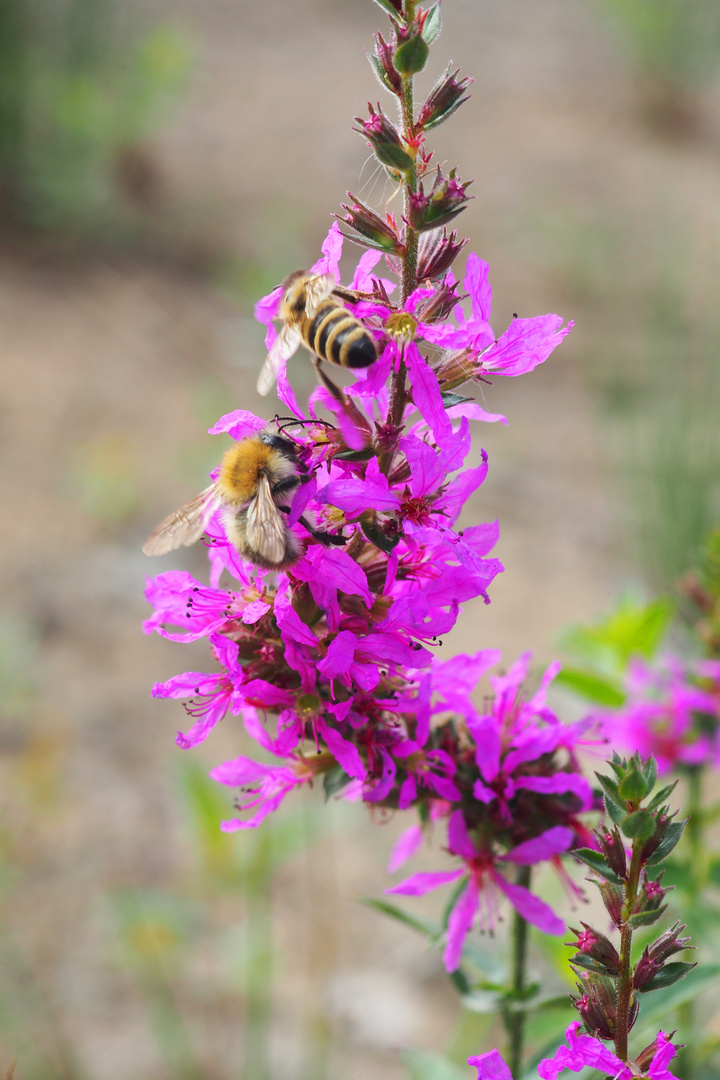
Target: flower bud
596,1007
645,1058
664,836
645,970
438,306
613,849
437,252
447,95
613,900
668,943
384,67
650,896
383,137
633,1011
597,947
394,8
445,201
375,232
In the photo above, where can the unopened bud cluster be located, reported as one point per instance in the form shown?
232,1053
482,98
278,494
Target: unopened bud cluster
400,146
642,835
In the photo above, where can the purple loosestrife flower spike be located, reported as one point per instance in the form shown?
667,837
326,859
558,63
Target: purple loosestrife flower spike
330,664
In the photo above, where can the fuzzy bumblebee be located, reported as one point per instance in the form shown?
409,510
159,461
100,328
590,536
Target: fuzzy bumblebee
254,474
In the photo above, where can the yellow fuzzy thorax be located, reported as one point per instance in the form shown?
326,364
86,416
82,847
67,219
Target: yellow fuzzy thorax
243,465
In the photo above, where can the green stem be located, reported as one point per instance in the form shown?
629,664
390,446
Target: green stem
624,984
396,408
514,1014
698,861
698,876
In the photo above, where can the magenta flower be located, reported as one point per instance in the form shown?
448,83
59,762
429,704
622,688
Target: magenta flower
480,900
268,785
672,712
584,1051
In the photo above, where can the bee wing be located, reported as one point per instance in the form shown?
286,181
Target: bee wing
318,289
266,530
184,526
283,347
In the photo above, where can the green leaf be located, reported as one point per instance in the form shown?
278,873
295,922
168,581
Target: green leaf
599,689
656,1008
674,831
355,455
433,25
423,926
633,787
646,918
615,812
650,771
596,861
449,399
610,789
411,56
638,826
632,629
460,981
335,780
423,1065
377,536
662,796
393,156
667,975
582,960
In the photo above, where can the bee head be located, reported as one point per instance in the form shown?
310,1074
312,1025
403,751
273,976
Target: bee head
282,443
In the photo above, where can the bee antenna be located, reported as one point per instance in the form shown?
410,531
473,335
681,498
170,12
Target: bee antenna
290,421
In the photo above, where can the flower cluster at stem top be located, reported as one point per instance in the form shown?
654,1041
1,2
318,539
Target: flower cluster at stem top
330,663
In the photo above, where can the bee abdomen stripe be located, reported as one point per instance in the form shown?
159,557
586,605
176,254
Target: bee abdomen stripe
358,349
327,331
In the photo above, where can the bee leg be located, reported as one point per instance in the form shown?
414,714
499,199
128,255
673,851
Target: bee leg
327,381
325,538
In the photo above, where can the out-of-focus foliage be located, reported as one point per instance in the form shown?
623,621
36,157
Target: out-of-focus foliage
672,39
675,46
79,89
652,359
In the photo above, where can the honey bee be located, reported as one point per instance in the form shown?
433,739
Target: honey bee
312,316
254,474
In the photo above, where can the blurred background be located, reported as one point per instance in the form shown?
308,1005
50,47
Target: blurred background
161,167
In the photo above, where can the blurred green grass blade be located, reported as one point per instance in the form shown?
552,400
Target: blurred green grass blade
594,688
422,926
423,1065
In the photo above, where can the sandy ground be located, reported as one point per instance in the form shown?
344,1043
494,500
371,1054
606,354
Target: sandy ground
113,370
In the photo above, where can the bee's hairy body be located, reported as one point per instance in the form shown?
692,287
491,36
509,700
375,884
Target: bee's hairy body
245,464
327,328
254,474
259,469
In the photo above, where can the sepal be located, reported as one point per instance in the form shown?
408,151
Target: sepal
375,232
383,137
445,201
446,96
383,66
437,252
